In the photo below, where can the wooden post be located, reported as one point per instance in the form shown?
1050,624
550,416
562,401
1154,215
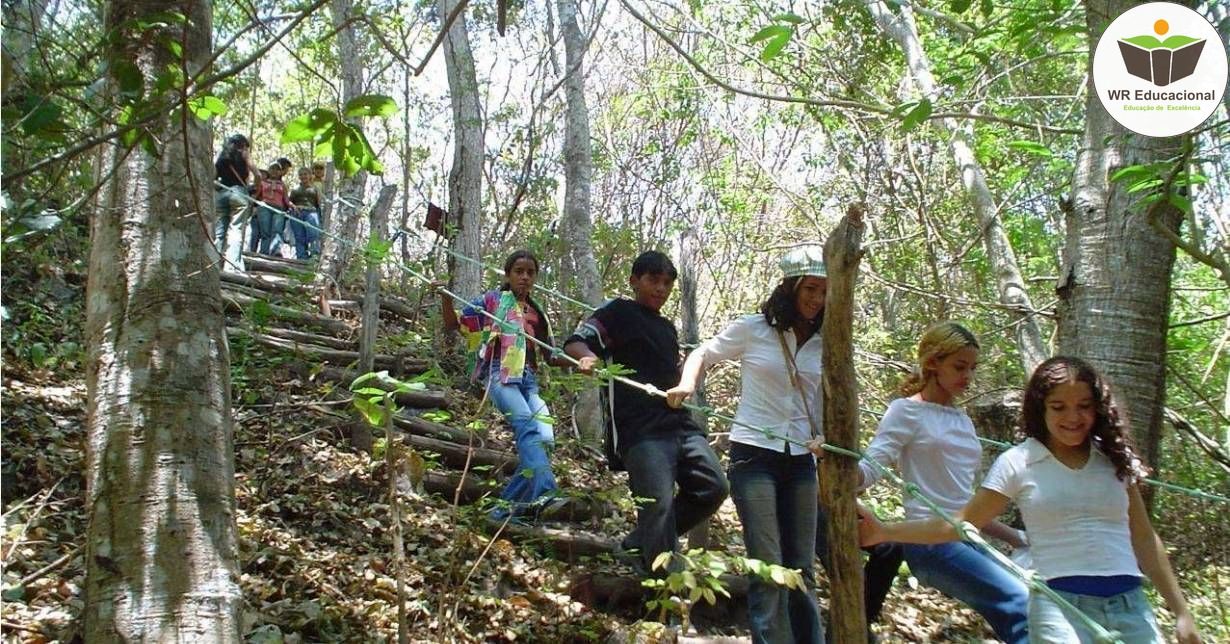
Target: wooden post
371,290
839,474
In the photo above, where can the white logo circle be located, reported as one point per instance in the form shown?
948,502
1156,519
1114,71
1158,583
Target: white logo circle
1160,69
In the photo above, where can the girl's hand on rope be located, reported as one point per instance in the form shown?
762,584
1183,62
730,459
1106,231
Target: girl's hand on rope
870,528
1185,629
816,447
677,394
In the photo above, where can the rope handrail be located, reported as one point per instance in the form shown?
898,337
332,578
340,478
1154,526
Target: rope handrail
965,530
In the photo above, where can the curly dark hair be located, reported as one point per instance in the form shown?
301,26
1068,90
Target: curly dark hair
781,312
1110,432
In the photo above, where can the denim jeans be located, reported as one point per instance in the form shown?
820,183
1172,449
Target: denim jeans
229,206
528,415
269,223
654,466
306,234
775,494
1129,613
964,573
879,571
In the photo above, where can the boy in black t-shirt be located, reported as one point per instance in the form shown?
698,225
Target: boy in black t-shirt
659,445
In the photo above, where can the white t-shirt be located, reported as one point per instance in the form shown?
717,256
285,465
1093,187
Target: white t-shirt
934,447
769,399
1077,520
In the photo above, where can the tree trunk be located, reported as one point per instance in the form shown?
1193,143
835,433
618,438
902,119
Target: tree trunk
378,219
1011,285
839,474
465,179
576,226
335,255
1114,285
161,546
689,258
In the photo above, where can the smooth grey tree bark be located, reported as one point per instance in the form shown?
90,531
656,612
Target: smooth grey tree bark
900,26
576,225
1114,285
162,559
344,219
465,178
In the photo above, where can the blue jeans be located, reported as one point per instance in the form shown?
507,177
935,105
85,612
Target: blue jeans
1129,613
306,234
269,223
528,415
775,494
654,466
229,206
964,573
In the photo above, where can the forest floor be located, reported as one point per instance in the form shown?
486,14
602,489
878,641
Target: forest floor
314,526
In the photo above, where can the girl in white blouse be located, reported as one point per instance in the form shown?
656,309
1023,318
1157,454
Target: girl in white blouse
1075,480
773,482
933,445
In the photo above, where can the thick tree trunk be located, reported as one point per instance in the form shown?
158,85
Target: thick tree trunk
465,179
161,546
1011,286
689,258
335,255
839,474
1114,286
576,226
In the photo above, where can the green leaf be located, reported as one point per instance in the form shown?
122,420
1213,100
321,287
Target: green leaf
960,6
372,413
317,123
370,105
916,115
987,7
1031,147
129,78
770,31
791,18
1182,203
661,560
207,106
370,391
365,377
41,116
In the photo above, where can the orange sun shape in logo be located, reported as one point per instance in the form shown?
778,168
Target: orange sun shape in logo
1161,27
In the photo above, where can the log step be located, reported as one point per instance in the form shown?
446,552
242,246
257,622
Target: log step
335,356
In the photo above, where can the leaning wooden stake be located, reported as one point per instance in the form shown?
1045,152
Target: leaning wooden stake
839,474
371,289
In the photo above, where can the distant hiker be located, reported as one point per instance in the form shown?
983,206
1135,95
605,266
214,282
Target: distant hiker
306,200
231,170
269,217
506,363
659,445
933,445
773,482
1075,479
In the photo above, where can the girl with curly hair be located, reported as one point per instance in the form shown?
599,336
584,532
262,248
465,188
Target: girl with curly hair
1075,478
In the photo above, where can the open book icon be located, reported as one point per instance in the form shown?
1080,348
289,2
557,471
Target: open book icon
1161,62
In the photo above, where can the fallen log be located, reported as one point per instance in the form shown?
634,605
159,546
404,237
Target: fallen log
272,283
276,265
565,545
311,338
336,356
613,592
461,456
417,399
445,484
278,258
237,302
421,427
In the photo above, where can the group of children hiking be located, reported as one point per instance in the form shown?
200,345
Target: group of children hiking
1075,477
238,184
